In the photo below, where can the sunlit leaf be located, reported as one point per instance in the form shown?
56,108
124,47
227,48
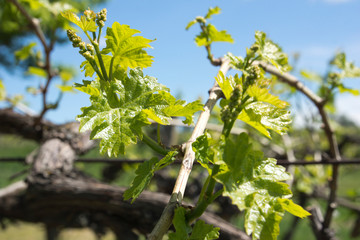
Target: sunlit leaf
121,107
271,52
212,11
25,52
201,230
144,174
211,35
37,71
262,116
311,76
226,84
263,95
256,186
127,50
87,88
2,91
64,88
82,22
343,89
181,228
293,208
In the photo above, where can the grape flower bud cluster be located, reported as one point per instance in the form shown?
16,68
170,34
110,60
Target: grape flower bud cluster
101,17
87,50
231,111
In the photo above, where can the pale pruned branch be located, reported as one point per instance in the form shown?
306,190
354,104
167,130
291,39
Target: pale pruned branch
13,189
165,220
334,149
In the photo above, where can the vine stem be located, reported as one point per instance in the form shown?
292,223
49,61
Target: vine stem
98,54
334,148
154,145
165,220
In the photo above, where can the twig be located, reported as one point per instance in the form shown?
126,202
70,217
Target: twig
35,23
178,192
334,149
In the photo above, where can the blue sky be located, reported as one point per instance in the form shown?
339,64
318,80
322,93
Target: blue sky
314,28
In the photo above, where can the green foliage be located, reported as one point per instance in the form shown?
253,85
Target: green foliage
212,11
269,51
209,33
201,230
253,183
119,109
333,81
86,24
262,117
25,52
247,97
127,50
2,91
145,172
37,71
121,102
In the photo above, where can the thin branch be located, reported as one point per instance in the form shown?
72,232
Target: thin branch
35,23
178,192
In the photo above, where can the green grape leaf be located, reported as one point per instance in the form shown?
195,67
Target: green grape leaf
271,52
2,91
121,107
88,88
177,108
36,71
349,70
89,70
24,52
66,75
173,108
201,230
210,35
181,228
263,95
226,84
64,88
82,22
262,219
293,208
263,116
191,23
256,186
343,89
115,114
144,174
311,76
127,50
212,11
207,151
